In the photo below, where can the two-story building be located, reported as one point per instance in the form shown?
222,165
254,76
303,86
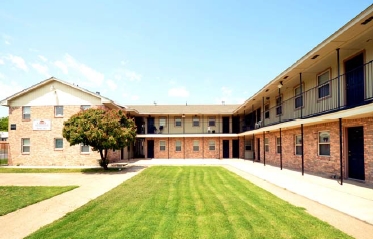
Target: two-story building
316,116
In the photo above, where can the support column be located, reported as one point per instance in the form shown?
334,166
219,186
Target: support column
301,129
301,94
264,148
340,149
280,149
339,79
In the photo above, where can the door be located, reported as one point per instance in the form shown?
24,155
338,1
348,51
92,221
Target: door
356,153
258,150
225,149
354,69
151,127
235,148
150,149
235,124
225,125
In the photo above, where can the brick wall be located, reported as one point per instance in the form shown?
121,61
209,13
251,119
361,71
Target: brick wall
42,150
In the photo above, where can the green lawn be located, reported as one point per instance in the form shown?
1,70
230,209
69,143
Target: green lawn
14,197
57,170
188,202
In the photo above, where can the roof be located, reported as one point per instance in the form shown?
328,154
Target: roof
183,109
104,100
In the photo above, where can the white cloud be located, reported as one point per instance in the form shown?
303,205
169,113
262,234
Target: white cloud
18,62
111,85
62,67
92,75
8,88
43,58
42,69
7,39
7,42
132,76
226,91
178,92
1,62
135,97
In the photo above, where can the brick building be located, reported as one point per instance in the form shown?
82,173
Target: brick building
316,116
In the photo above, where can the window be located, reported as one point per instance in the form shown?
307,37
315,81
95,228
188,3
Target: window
58,143
195,121
195,145
58,111
162,121
85,107
162,145
26,112
212,121
84,148
212,145
266,145
324,143
266,111
298,99
278,145
178,145
324,84
26,145
248,145
298,145
279,105
177,121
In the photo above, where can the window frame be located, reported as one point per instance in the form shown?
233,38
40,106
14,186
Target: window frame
323,143
266,144
195,121
178,119
212,121
82,146
195,145
247,144
298,144
55,144
23,145
320,86
85,107
299,96
178,146
162,145
266,111
55,111
279,105
278,145
24,114
212,144
162,123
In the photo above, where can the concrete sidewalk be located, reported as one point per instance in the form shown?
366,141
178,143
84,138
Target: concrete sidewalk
348,207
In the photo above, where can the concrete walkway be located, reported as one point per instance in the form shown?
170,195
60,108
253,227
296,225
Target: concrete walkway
348,207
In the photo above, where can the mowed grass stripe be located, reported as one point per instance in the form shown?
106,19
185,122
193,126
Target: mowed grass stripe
188,202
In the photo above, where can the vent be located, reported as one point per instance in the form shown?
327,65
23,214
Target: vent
97,92
367,21
314,57
286,77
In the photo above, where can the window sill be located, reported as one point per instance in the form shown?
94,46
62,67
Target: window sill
28,153
58,149
26,120
84,153
58,116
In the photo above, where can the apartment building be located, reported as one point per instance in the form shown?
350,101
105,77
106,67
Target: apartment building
316,117
36,117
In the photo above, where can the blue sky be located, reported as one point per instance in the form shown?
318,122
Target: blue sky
171,52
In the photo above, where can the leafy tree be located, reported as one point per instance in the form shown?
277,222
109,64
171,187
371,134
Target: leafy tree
4,123
101,129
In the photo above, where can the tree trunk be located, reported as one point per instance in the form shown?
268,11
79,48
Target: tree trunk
103,162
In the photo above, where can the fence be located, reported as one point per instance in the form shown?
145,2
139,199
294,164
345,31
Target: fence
4,149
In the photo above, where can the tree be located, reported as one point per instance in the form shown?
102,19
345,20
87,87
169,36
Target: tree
4,123
101,129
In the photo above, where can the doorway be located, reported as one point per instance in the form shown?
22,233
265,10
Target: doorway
150,149
258,150
235,148
225,125
225,149
354,69
356,153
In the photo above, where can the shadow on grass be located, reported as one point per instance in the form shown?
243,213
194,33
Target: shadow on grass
113,170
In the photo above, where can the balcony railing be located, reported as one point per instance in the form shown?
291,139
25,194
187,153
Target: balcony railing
354,88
